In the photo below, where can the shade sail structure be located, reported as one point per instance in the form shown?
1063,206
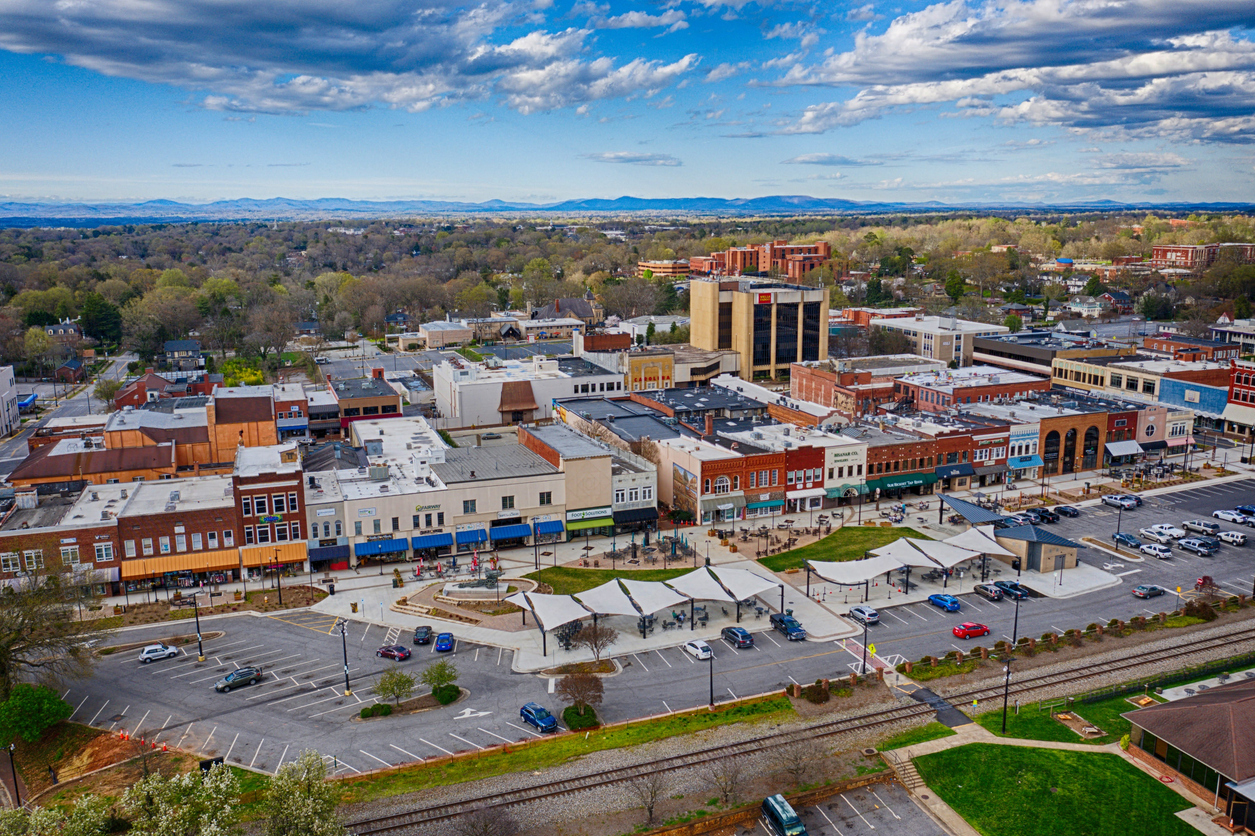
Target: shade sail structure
904,551
742,583
652,596
980,539
700,585
972,512
607,599
550,611
946,554
854,571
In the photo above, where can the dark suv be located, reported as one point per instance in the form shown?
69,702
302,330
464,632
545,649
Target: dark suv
1047,514
422,635
236,678
788,626
539,717
737,636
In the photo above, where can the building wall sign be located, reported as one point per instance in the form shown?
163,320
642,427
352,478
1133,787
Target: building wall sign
426,507
589,514
511,514
65,540
326,512
366,512
273,518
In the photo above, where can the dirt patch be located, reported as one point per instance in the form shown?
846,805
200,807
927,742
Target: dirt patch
1083,728
171,640
74,751
112,781
604,666
489,607
863,697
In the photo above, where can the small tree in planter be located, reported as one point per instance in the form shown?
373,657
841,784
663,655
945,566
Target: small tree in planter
441,678
396,684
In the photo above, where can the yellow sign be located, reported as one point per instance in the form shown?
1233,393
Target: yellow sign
871,648
1178,590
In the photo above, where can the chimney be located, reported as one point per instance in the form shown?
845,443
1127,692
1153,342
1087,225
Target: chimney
710,424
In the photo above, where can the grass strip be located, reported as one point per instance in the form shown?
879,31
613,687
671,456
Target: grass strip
1020,791
558,750
932,731
850,542
568,580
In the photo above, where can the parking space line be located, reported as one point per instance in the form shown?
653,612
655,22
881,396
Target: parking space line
860,815
121,717
887,807
770,639
281,757
205,745
232,746
434,746
339,707
92,721
500,651
794,681
369,755
364,632
664,705
411,754
468,742
639,662
140,724
825,815
493,734
255,754
166,723
917,615
186,732
898,617
1056,629
511,725
663,658
734,696
477,654
77,707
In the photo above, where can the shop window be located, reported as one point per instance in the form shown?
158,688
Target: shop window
228,538
104,552
147,544
69,555
164,544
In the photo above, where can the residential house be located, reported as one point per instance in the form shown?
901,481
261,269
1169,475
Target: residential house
183,355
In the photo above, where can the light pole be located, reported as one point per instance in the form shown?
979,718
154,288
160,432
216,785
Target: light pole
278,576
864,671
1006,691
17,795
712,684
1015,630
200,645
1119,517
344,645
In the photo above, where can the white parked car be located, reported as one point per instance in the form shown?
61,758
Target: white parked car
1201,526
1156,550
1157,536
1231,516
699,650
1169,529
1233,538
157,651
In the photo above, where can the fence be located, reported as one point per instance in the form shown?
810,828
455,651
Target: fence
1160,680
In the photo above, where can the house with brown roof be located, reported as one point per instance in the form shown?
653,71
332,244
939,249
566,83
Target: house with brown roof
1204,742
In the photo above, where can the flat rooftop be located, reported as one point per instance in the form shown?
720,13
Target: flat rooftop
569,443
258,461
940,325
640,427
174,420
190,403
947,380
701,450
598,409
182,496
476,464
362,387
702,399
778,437
685,353
50,511
874,436
579,367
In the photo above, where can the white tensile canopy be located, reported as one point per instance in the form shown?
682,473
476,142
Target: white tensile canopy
700,585
854,571
946,554
905,551
979,539
607,599
652,596
742,583
550,611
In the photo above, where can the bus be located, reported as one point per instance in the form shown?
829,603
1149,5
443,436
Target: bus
780,818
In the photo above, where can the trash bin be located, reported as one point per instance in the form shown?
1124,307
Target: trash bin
353,606
331,589
395,583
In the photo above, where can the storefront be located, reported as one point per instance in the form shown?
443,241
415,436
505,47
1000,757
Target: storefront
382,551
267,560
892,487
180,571
846,494
328,555
719,509
432,546
509,534
990,474
1024,467
470,537
590,522
1122,452
765,508
954,477
636,519
808,499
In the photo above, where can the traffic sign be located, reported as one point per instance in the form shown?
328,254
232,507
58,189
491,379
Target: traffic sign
871,648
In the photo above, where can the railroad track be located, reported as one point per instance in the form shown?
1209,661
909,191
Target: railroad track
1020,685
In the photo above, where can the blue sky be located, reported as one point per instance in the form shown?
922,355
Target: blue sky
543,100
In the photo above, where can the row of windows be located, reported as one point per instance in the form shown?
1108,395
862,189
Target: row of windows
256,504
262,534
797,477
1026,449
984,454
470,506
840,471
32,560
180,542
593,388
354,412
70,554
633,494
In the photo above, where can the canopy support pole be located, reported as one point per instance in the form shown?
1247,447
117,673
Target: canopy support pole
808,580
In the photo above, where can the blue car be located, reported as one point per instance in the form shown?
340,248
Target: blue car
538,716
947,602
1129,540
444,642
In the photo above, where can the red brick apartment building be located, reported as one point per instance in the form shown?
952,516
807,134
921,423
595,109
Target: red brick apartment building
1182,347
1198,256
270,499
780,258
942,390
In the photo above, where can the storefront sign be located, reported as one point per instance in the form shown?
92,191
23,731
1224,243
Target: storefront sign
374,537
65,540
273,518
426,507
764,298
508,515
326,512
366,512
325,543
588,514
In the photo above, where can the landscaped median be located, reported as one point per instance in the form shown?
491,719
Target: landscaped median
846,543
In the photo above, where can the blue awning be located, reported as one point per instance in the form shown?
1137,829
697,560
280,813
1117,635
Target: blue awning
329,553
381,547
432,541
949,471
510,532
549,527
774,503
474,535
292,423
1019,462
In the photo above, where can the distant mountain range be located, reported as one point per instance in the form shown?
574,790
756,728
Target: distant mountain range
168,211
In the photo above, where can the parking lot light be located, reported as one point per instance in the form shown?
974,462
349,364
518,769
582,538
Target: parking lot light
1006,691
344,645
200,646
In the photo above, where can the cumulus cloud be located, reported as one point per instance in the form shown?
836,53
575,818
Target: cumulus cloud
862,13
287,56
827,159
630,158
673,19
1136,68
805,33
726,71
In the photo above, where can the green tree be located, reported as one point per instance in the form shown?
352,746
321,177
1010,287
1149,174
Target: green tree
300,801
1014,323
439,675
31,710
955,285
1094,287
395,683
41,636
100,319
1242,308
107,389
875,294
476,300
650,330
37,346
192,804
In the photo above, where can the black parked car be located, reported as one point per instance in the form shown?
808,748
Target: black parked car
1012,589
422,635
236,678
1047,515
1067,511
788,626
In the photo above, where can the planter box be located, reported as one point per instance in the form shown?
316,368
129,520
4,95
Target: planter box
239,596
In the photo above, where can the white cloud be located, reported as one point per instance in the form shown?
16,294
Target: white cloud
805,33
726,71
673,19
629,158
862,13
827,159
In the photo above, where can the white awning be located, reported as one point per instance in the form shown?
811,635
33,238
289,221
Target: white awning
903,550
979,539
728,507
653,596
742,583
854,571
607,599
1124,448
700,585
947,554
1239,414
808,493
550,611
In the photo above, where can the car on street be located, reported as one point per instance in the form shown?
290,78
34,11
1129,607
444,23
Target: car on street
970,629
699,650
394,651
1156,535
1012,589
1156,550
787,626
238,677
1047,514
1137,499
537,715
1148,590
1067,511
1123,538
988,590
444,642
864,615
1249,510
946,602
737,636
1201,526
1233,538
157,651
1119,501
1197,546
1230,516
423,634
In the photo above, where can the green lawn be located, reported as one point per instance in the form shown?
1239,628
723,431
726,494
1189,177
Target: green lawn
849,542
932,731
568,580
1016,791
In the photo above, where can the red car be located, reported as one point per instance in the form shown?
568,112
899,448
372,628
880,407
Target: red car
395,651
970,629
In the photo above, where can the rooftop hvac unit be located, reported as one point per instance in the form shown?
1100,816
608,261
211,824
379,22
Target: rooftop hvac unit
378,473
174,496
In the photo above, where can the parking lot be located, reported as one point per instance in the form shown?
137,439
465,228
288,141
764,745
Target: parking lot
883,809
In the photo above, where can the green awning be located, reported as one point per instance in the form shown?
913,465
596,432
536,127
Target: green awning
844,490
577,525
902,480
774,503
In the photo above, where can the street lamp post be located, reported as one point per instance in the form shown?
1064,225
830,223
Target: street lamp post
712,680
1119,518
1015,630
864,671
200,645
278,576
344,645
1006,691
17,795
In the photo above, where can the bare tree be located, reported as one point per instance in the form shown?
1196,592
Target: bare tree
648,789
271,328
42,637
486,821
597,638
581,690
724,776
798,760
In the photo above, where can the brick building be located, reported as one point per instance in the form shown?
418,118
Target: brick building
56,534
897,461
942,390
178,534
855,387
270,501
1195,257
1181,347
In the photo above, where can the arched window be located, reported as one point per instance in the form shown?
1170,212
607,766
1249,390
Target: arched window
326,529
722,484
339,528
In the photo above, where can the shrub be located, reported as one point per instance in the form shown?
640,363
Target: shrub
446,694
382,709
1000,645
1201,610
366,712
576,721
816,693
1114,623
